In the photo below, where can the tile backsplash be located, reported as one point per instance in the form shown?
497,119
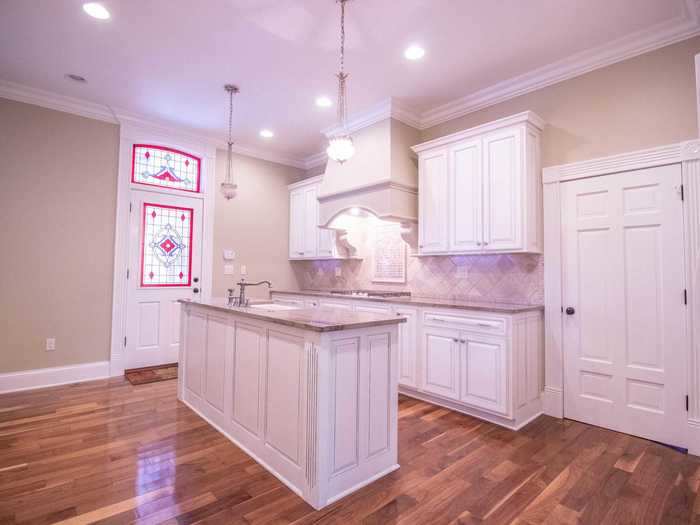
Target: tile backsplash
513,278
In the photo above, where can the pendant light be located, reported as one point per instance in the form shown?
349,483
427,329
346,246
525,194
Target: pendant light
228,187
340,146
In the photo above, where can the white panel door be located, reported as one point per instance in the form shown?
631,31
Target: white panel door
503,174
483,367
408,351
466,233
165,246
432,202
326,242
311,231
440,352
624,321
297,207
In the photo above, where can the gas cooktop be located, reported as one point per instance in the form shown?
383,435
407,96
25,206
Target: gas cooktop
370,293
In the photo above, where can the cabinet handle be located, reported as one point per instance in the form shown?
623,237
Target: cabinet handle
454,340
463,341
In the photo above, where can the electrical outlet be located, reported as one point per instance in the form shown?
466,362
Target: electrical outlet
338,271
229,254
228,269
244,270
50,344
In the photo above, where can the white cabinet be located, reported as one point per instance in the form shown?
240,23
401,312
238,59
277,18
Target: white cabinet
480,189
408,347
306,239
483,381
440,352
432,201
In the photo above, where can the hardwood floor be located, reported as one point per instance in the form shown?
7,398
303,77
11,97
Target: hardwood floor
109,452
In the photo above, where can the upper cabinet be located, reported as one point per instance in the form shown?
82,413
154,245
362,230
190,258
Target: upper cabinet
480,190
306,239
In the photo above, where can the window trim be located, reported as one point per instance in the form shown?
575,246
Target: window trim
198,188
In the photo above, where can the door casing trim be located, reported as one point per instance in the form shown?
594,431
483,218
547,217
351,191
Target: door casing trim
130,134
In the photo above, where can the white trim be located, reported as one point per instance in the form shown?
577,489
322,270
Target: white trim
317,159
306,182
59,375
387,108
526,116
130,133
553,402
630,46
694,436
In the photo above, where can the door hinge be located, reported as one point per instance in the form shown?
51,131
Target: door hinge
127,273
687,404
124,340
131,207
685,296
682,192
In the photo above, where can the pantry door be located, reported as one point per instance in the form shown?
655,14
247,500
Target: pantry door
623,300
165,245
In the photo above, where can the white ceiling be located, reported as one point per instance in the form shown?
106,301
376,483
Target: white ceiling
167,60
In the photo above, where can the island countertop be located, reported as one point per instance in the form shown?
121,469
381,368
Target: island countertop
429,302
315,319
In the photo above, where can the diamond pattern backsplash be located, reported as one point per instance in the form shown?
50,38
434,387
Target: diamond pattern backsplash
514,278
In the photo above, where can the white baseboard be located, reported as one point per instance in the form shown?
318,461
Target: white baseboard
553,401
694,437
59,375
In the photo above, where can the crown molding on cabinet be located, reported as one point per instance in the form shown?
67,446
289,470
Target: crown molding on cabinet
388,108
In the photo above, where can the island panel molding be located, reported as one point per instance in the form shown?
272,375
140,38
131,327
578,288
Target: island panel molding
318,409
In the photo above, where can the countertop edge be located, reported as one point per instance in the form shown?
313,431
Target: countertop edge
419,302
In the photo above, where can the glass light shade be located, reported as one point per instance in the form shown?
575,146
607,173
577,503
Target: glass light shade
340,149
229,190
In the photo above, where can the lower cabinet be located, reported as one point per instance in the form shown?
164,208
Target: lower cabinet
440,351
408,347
483,369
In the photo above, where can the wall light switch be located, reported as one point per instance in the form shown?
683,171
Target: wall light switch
338,271
244,270
228,269
50,344
229,254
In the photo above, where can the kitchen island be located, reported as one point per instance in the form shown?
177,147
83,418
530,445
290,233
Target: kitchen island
310,394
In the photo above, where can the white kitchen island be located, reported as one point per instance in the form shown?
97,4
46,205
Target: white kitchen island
310,394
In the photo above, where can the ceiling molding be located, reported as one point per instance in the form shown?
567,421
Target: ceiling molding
388,108
315,160
616,51
92,110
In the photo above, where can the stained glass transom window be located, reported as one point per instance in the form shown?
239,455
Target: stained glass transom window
160,166
166,245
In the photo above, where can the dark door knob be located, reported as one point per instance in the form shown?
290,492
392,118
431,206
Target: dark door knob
195,290
196,280
570,310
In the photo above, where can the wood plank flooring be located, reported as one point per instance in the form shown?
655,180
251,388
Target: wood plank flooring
109,452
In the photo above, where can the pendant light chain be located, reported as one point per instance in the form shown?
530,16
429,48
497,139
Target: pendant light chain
342,109
228,187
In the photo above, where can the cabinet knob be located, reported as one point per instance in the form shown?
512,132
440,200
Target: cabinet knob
455,340
570,310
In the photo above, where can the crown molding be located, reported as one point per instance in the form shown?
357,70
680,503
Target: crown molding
102,112
618,50
388,108
317,159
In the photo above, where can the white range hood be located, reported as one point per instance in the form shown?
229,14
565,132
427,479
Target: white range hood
381,178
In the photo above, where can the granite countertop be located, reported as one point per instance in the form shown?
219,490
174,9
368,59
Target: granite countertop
430,302
315,319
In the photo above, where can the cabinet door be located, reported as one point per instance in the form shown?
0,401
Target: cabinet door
373,308
311,232
440,352
483,368
326,242
408,347
296,224
333,304
466,232
503,174
432,197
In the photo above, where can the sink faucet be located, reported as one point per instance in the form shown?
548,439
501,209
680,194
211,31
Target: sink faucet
242,284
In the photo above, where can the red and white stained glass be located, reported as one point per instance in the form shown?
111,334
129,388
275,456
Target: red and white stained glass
166,167
166,245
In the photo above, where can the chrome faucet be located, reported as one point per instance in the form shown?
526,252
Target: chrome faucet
242,301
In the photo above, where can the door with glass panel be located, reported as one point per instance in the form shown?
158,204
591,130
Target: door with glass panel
164,252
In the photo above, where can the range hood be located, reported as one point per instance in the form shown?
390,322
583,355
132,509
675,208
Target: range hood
381,178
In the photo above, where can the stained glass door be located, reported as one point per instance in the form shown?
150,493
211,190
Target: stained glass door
164,266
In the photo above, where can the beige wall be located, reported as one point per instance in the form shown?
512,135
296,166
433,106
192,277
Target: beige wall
58,197
255,224
640,103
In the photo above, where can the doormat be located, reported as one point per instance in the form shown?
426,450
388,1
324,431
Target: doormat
151,374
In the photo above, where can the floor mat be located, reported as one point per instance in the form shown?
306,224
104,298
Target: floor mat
151,374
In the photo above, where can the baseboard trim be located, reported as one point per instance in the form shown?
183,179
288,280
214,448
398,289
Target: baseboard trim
59,375
694,436
553,401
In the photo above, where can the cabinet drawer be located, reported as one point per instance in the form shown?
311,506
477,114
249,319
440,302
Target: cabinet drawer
473,323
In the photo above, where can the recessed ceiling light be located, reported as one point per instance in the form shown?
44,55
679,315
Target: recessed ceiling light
266,134
324,102
96,10
76,78
414,52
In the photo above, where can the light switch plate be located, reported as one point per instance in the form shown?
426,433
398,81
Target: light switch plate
228,269
229,254
50,344
244,270
338,271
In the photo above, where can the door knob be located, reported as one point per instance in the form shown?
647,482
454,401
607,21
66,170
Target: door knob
570,310
195,280
195,290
